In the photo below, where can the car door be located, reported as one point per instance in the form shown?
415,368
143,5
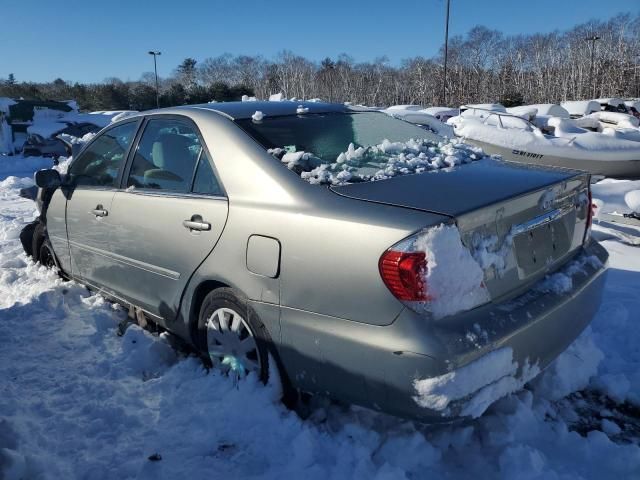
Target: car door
91,182
169,216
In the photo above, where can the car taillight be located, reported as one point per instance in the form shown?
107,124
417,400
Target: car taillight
404,274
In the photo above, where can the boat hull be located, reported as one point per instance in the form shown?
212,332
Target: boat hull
608,168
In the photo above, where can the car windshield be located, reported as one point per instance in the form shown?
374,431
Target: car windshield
338,148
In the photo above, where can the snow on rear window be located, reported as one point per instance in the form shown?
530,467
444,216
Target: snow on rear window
336,149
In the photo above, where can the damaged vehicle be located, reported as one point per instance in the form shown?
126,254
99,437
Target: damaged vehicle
359,255
57,145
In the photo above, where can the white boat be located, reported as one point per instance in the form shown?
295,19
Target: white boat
570,146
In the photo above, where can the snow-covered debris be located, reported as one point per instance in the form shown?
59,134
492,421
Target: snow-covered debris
441,113
526,112
411,108
632,199
257,116
477,384
389,159
550,109
277,97
580,108
492,107
611,101
419,117
454,277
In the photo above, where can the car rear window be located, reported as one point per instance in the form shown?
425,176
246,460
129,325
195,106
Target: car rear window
339,148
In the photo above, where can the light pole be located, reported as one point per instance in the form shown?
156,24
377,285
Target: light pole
592,39
446,51
155,69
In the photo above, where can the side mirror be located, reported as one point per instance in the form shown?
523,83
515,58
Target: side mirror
48,178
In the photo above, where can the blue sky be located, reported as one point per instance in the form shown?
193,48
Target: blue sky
88,40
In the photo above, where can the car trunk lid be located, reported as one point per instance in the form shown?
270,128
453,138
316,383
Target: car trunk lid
519,222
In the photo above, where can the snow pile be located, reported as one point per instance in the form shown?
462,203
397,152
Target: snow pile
277,97
302,109
454,277
382,161
477,384
257,116
247,98
612,193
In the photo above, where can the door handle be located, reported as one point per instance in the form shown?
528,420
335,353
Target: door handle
99,211
196,223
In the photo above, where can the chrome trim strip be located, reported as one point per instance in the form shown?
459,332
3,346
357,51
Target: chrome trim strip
540,220
163,272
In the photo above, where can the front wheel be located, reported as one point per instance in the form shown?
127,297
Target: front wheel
232,336
46,256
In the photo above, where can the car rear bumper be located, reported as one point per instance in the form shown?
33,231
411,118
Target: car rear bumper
384,368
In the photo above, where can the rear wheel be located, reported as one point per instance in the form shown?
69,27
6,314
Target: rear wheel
232,336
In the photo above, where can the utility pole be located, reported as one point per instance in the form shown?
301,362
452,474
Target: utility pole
155,69
592,39
446,52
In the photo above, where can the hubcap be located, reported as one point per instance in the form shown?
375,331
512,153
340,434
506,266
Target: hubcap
231,344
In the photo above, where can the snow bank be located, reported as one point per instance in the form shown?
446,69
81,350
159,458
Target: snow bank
454,277
79,402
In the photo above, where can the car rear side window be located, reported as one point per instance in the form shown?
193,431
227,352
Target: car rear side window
205,181
166,156
100,163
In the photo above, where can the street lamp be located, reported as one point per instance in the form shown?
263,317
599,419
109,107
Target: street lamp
592,39
446,51
155,69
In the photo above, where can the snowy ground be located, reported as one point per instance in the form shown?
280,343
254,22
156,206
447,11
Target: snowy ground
77,401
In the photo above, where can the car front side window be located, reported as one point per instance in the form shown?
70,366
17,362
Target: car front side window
100,163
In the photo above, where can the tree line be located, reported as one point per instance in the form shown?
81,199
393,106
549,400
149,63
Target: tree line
484,65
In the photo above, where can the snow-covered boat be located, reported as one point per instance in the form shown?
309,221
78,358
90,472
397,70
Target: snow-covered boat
516,139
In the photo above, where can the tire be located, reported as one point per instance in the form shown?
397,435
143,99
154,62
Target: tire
232,337
38,238
46,256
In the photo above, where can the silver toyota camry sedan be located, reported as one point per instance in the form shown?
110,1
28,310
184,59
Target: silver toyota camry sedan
370,260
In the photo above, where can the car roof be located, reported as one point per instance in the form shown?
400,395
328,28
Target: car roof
242,110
